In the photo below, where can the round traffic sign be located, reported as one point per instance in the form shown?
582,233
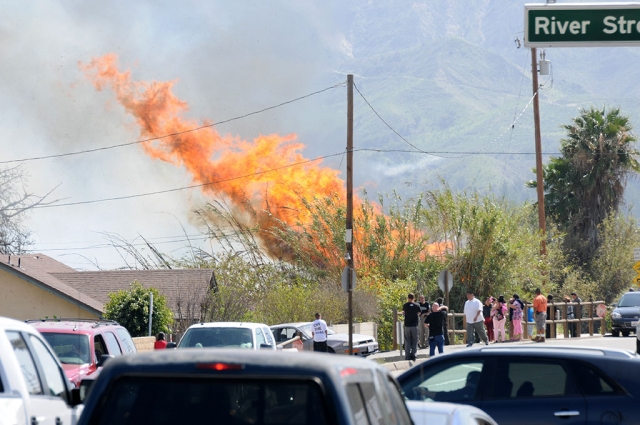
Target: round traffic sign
601,310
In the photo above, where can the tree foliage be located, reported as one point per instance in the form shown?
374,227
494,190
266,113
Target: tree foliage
131,307
587,182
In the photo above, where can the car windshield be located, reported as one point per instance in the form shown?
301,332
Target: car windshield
70,348
217,337
631,299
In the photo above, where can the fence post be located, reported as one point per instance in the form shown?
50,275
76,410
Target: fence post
590,318
566,324
395,333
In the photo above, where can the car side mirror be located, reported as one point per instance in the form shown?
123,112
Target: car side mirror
103,359
171,345
614,305
76,397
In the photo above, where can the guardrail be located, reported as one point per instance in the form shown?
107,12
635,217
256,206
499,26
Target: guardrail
457,324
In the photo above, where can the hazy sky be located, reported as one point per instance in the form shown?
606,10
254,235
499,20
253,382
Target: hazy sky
227,58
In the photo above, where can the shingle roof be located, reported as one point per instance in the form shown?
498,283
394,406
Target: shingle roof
92,288
176,285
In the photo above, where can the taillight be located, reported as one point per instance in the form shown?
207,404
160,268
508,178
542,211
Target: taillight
219,366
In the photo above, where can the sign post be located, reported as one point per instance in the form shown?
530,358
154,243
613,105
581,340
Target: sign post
445,283
581,24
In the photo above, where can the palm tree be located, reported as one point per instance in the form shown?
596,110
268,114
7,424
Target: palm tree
587,182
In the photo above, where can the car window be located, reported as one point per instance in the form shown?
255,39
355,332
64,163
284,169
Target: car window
112,344
70,348
630,299
592,382
399,407
260,338
450,381
269,336
217,337
100,346
133,400
515,378
55,382
128,346
25,360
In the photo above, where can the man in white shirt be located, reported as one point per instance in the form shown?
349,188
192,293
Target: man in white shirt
474,318
319,334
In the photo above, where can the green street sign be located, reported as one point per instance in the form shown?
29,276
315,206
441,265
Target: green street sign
581,24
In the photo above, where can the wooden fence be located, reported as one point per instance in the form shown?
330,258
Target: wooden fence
587,315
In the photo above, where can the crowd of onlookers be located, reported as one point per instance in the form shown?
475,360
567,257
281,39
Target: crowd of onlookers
425,325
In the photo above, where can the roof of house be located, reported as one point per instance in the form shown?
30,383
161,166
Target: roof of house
178,286
92,288
37,268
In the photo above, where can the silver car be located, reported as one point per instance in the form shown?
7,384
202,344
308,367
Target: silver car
363,345
437,413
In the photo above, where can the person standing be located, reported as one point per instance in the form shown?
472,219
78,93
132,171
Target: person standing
445,312
474,319
550,314
411,312
423,330
488,320
517,306
498,313
435,322
540,310
319,334
160,343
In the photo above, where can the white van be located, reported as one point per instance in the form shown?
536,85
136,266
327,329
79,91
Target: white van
33,387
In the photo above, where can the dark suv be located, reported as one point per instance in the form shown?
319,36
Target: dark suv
235,386
625,315
83,345
534,384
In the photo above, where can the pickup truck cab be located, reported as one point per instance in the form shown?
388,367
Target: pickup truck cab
33,387
235,386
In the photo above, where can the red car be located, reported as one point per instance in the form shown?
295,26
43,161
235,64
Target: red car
83,345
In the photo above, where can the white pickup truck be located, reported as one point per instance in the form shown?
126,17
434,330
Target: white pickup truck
33,387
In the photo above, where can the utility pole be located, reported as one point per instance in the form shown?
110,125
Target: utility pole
539,176
349,227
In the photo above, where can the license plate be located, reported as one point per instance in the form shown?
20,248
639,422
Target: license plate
634,323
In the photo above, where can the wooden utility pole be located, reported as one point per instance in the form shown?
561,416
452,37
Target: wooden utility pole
539,176
349,229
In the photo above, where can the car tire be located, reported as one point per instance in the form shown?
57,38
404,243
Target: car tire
625,333
637,346
330,350
615,333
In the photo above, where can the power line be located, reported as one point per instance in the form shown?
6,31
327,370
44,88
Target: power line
173,134
118,198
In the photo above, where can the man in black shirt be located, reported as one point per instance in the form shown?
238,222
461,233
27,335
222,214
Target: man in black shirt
445,312
435,322
411,311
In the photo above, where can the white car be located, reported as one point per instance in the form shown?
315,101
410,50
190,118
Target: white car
252,336
363,345
439,413
33,385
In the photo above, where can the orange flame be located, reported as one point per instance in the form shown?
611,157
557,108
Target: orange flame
222,160
236,168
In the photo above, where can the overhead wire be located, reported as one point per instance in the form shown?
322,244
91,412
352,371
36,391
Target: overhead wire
177,133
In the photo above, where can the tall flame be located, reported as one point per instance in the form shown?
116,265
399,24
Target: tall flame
239,169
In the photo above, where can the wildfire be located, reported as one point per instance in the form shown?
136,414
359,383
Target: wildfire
240,170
